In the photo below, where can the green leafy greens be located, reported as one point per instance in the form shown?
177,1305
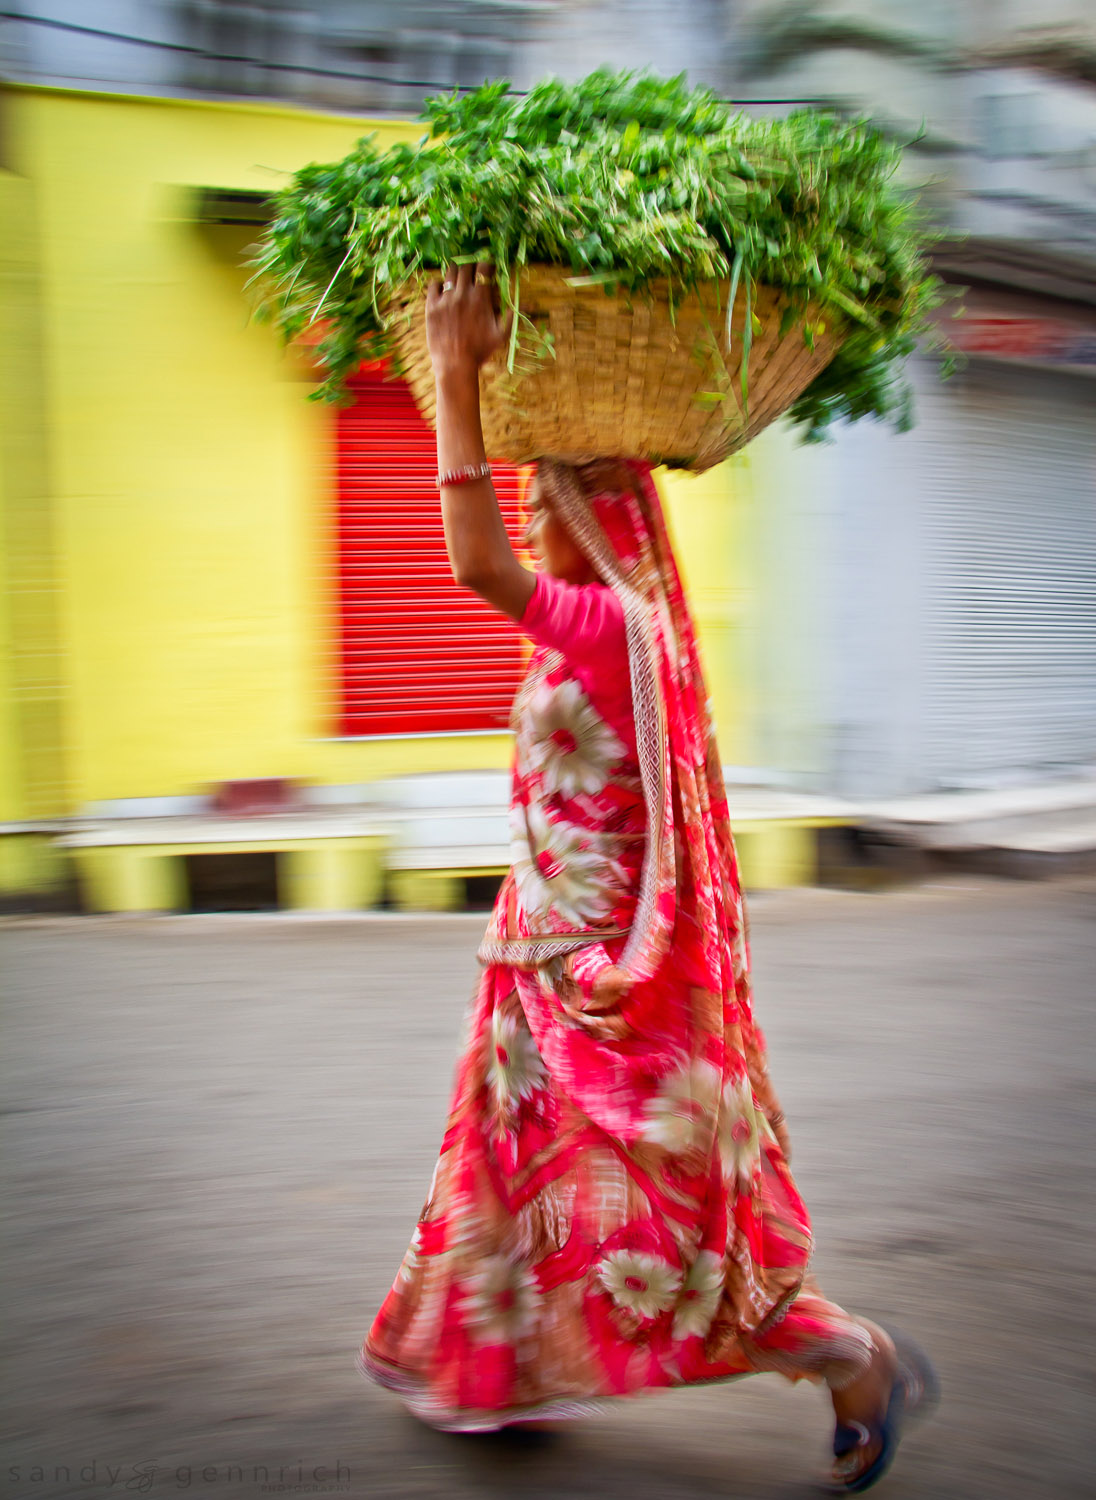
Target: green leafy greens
624,179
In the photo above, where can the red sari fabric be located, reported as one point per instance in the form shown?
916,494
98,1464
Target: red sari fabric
611,1210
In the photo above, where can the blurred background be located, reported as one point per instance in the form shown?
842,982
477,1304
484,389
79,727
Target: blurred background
232,668
235,676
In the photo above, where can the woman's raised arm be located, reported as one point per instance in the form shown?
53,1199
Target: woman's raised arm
463,329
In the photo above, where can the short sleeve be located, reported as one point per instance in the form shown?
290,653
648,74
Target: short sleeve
584,621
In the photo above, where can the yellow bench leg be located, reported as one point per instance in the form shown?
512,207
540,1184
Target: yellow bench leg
426,890
131,879
30,863
333,876
776,856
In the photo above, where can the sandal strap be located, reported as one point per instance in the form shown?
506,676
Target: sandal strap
848,1436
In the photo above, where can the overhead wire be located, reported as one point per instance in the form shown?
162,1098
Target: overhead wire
346,75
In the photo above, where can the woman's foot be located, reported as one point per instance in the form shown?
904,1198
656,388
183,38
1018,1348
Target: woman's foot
862,1408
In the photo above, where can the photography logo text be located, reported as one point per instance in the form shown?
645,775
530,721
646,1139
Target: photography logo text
147,1476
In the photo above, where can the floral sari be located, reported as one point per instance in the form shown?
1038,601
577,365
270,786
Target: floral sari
611,1210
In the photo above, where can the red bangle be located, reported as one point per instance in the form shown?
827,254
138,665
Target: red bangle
467,475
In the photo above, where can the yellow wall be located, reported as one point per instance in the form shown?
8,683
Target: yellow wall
190,478
12,799
33,778
710,518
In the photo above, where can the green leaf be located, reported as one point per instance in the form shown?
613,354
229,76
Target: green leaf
736,272
622,178
747,345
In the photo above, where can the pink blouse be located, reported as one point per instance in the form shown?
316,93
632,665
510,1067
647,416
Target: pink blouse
584,622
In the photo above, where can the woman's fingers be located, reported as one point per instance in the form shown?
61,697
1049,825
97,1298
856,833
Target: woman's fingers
463,277
462,316
609,988
447,283
457,278
485,277
602,1025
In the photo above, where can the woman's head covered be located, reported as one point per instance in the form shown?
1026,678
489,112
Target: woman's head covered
612,488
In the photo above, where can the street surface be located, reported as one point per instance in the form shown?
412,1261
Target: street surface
221,1130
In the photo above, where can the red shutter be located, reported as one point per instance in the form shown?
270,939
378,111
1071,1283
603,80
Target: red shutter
419,655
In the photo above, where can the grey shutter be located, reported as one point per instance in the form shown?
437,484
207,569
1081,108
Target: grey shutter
1009,651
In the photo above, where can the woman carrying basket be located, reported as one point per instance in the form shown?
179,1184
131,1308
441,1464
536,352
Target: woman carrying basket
612,1210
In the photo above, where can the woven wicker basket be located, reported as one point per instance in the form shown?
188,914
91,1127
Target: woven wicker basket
627,380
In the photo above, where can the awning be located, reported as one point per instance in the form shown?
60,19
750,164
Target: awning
233,206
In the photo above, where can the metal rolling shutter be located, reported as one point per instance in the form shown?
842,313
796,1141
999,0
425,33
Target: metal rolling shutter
1010,649
418,654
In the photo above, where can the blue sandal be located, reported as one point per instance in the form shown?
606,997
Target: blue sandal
914,1393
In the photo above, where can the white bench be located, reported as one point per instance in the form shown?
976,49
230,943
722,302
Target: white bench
327,859
445,827
448,826
422,836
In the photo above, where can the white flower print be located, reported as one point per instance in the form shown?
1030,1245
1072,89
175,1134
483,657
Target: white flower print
411,1261
560,867
700,1296
644,1284
515,1069
500,1301
570,744
550,975
739,1145
680,1114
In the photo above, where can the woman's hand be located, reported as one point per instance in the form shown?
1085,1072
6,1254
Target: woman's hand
463,326
598,1014
608,989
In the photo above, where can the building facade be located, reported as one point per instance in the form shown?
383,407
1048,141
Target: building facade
957,582
183,605
183,601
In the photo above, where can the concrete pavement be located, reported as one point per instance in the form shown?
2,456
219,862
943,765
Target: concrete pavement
221,1129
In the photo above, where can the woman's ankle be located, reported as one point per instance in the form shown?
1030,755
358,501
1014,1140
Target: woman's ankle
864,1399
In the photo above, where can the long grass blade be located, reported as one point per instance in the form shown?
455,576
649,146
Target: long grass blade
747,345
327,290
736,272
